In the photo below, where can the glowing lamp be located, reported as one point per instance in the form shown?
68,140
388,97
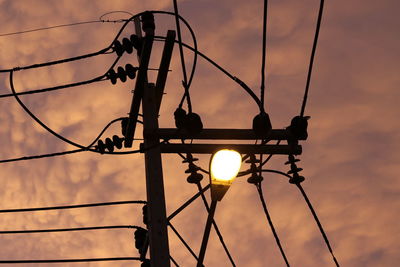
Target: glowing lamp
224,167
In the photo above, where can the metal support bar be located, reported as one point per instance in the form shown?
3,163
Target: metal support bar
157,226
164,65
221,134
206,235
141,79
241,148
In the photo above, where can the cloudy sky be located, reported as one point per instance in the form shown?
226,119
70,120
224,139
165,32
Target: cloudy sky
350,160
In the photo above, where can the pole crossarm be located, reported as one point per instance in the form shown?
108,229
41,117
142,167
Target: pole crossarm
221,134
241,148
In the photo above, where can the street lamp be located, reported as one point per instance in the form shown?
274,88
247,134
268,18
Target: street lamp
224,167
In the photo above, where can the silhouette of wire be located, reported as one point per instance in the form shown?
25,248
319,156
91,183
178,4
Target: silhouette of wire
182,57
187,203
102,51
173,261
97,79
49,155
39,121
234,78
51,27
278,242
70,151
70,229
321,229
114,12
188,82
183,241
78,206
314,48
70,260
310,206
55,62
264,47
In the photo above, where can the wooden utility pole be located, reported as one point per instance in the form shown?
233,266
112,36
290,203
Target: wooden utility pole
157,226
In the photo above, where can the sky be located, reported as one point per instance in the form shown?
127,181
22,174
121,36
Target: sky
350,161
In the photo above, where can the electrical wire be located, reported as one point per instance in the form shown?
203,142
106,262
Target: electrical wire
183,241
182,56
100,20
49,155
321,229
189,82
70,260
234,78
102,51
115,12
55,62
40,122
70,229
278,242
173,261
187,203
264,47
78,206
51,27
314,48
97,79
310,206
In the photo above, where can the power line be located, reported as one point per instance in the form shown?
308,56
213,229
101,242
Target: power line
173,261
55,62
70,229
234,78
321,229
264,44
182,56
55,154
70,260
310,206
74,206
278,242
314,48
102,51
97,79
183,241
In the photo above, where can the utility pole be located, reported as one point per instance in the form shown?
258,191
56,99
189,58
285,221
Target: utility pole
150,95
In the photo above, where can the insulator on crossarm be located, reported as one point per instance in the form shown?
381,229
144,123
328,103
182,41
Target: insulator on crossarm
255,178
193,124
262,125
112,76
145,214
124,125
130,71
180,117
101,147
294,170
109,145
118,48
127,45
121,74
298,127
117,141
148,22
194,178
140,237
